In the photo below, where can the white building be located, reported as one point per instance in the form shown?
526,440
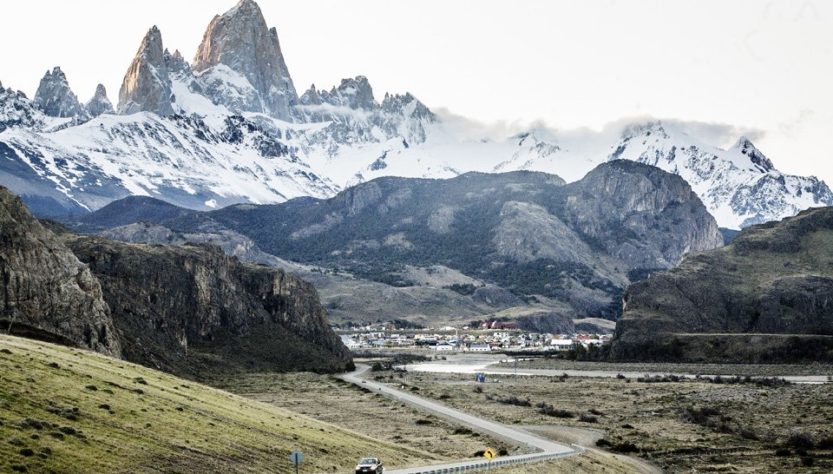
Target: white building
480,348
561,344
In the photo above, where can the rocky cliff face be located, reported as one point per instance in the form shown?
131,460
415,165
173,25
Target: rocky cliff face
773,284
100,104
657,204
55,98
147,84
241,41
185,309
46,292
180,307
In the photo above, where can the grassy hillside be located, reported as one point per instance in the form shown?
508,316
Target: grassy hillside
70,410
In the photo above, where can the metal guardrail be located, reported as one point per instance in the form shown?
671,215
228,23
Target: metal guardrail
477,466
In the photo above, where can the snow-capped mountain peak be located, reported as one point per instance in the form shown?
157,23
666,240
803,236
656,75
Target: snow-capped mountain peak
99,104
55,98
241,41
745,147
146,86
740,185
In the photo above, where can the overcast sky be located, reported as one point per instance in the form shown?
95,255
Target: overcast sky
762,66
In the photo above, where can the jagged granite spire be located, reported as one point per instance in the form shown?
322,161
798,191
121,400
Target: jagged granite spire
240,40
54,96
100,104
146,85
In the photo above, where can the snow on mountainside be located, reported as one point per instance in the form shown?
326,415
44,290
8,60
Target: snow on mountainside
231,128
740,186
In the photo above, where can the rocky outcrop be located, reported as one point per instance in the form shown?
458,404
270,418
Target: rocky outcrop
187,309
654,206
55,98
773,284
16,110
241,41
46,292
354,93
147,85
99,104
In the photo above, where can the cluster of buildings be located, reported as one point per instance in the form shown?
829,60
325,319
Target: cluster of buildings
478,341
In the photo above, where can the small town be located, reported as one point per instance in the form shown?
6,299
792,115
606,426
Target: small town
499,338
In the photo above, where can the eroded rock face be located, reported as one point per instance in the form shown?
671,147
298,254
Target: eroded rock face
773,279
657,207
241,41
147,86
100,104
354,93
174,305
46,292
55,98
16,110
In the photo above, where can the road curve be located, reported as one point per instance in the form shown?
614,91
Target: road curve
546,449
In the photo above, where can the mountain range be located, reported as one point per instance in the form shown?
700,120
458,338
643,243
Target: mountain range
522,244
230,127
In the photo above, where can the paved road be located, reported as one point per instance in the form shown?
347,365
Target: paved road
547,449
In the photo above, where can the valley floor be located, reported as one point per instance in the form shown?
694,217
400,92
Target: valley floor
677,426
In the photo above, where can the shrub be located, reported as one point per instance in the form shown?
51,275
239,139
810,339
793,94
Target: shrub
807,461
699,416
782,452
587,418
603,443
549,410
625,447
825,443
513,400
800,440
747,433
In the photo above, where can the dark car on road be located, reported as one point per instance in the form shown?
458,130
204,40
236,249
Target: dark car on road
369,466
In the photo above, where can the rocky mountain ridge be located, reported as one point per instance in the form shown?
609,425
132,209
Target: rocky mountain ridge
523,239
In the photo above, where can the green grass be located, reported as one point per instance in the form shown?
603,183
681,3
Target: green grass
70,410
